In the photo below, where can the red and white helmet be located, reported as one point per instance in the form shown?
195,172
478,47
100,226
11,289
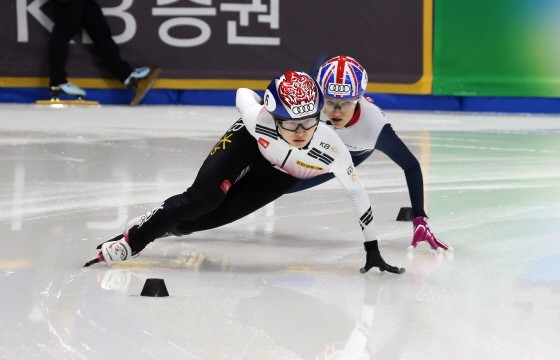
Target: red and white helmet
293,95
342,77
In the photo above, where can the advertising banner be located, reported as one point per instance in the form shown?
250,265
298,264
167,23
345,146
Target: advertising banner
225,44
497,48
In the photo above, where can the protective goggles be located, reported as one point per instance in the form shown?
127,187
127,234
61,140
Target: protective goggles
344,106
293,125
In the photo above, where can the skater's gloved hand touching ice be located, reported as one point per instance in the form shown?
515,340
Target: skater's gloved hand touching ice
374,259
422,232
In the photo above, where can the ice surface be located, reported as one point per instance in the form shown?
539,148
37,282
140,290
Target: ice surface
283,283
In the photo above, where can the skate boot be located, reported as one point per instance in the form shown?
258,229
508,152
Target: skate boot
68,89
374,259
422,232
113,251
116,249
136,75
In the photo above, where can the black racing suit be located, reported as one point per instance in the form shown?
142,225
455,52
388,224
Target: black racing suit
234,180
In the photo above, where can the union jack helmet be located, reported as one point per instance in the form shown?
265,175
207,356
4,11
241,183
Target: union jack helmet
342,77
293,95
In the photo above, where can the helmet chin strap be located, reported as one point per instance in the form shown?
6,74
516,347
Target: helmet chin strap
278,131
355,116
307,145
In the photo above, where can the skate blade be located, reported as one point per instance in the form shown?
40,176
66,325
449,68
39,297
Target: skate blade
66,102
399,271
144,86
98,259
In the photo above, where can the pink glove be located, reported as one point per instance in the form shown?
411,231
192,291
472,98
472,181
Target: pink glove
422,232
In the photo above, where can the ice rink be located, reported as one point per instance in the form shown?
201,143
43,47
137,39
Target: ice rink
283,283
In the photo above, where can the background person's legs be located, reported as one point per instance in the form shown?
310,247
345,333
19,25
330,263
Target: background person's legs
67,23
98,29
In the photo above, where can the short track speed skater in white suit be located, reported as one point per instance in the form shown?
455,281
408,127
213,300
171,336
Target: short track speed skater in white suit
278,141
363,128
